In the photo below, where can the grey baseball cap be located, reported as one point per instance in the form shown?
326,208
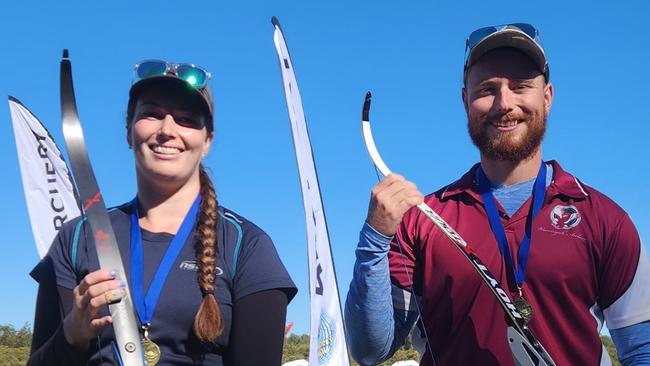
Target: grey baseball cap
521,36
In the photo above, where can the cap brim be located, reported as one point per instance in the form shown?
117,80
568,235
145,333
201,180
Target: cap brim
169,82
509,38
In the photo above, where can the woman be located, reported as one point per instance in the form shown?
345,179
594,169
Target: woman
221,292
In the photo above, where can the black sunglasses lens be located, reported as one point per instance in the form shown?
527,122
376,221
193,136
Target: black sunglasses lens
476,36
192,75
148,69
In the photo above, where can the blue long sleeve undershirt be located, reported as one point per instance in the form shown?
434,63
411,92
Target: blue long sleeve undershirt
632,344
375,328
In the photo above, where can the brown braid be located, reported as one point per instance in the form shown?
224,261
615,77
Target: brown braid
208,323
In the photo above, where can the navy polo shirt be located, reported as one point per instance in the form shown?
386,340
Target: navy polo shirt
247,262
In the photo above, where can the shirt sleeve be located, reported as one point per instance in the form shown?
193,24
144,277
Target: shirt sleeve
632,344
258,327
57,351
402,260
259,267
48,340
59,258
56,276
376,324
624,293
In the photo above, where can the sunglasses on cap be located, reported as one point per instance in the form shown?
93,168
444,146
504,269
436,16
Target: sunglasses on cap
190,73
478,35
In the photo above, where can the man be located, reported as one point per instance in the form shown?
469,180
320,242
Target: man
581,263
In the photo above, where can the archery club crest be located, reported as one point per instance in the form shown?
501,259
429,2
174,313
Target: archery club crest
565,217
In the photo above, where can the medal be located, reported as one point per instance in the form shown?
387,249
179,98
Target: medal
151,350
524,308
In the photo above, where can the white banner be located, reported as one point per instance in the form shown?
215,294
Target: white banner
46,180
327,344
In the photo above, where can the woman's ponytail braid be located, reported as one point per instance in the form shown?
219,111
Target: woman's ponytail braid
208,323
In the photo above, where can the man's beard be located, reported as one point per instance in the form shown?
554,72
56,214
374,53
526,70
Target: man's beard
502,146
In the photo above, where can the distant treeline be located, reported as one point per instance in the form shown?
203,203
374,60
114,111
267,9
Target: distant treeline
14,345
296,347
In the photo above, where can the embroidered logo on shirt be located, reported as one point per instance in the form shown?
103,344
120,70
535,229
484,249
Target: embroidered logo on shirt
193,266
565,217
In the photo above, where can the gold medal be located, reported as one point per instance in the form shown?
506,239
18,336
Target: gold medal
151,350
524,308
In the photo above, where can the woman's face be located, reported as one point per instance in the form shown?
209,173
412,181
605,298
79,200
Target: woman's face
166,151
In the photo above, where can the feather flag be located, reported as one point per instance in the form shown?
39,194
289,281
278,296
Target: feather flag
327,344
51,199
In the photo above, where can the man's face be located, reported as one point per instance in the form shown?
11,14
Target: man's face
507,102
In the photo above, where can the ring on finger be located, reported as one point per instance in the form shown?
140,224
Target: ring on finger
110,297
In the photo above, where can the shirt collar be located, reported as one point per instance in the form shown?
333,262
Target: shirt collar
563,183
566,184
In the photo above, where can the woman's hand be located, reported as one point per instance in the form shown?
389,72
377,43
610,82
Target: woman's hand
96,290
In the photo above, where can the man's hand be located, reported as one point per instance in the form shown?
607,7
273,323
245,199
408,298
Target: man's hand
389,200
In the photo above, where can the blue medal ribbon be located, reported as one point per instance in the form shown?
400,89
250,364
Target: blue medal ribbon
496,225
146,304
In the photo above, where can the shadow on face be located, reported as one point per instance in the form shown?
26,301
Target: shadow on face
172,99
505,62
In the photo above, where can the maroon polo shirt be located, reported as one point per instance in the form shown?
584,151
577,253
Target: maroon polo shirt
583,257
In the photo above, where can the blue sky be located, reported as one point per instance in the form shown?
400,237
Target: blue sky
409,54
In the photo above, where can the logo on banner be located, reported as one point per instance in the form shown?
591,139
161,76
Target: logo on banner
326,339
565,217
